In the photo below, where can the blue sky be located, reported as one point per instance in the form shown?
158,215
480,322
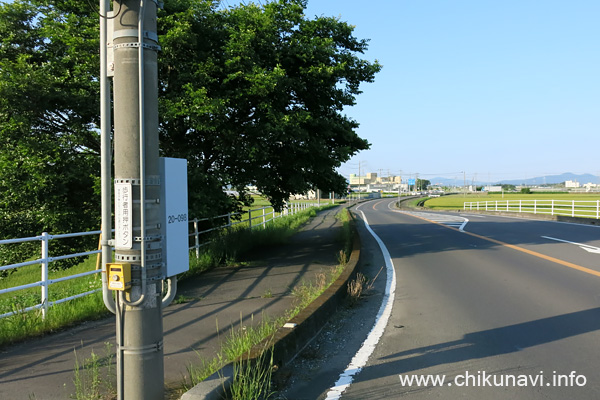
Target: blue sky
499,89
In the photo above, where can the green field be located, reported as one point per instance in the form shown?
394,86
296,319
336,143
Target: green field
456,201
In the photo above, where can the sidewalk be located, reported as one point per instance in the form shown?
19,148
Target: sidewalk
43,368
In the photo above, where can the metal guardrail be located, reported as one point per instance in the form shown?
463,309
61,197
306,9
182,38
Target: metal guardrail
570,208
263,218
45,261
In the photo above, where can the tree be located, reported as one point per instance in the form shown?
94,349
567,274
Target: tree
48,111
250,95
258,98
423,184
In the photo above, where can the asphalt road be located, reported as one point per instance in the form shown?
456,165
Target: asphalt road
496,307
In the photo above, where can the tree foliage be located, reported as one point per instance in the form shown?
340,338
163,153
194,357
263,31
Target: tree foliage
249,95
423,184
48,111
265,105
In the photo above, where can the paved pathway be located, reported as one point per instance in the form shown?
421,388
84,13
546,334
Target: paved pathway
43,368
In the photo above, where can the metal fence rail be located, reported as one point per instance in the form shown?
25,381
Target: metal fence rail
261,214
255,218
571,208
45,261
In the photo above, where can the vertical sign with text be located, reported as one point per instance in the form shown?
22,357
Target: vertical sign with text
123,216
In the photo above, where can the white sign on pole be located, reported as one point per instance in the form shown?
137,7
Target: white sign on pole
123,215
174,204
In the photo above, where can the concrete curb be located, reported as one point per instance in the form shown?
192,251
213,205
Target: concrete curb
286,342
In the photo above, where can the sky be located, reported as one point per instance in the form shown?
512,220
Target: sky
486,90
489,89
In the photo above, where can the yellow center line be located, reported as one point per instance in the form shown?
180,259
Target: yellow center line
512,246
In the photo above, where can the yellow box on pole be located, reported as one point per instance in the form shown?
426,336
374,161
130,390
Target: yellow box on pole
119,276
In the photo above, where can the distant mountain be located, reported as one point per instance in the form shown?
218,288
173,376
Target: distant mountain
552,179
540,180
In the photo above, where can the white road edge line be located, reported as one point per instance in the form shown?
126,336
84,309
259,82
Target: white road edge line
586,247
462,226
385,310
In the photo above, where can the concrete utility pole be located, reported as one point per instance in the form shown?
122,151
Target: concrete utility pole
417,182
140,370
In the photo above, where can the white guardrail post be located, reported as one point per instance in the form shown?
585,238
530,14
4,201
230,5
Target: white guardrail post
45,261
556,207
196,238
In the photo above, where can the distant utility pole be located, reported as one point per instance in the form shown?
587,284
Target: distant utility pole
140,370
359,179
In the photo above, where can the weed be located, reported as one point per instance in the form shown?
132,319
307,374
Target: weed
355,288
241,339
252,377
372,282
198,372
181,299
342,257
87,378
238,342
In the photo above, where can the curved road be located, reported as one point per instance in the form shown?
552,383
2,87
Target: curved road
488,307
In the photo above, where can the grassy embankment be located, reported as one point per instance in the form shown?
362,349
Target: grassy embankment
253,380
226,247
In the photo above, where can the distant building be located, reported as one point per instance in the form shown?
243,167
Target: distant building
492,189
372,183
572,184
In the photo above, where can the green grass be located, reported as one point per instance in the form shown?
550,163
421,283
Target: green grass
93,376
235,344
252,377
454,202
32,273
227,247
249,381
30,324
413,202
241,339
